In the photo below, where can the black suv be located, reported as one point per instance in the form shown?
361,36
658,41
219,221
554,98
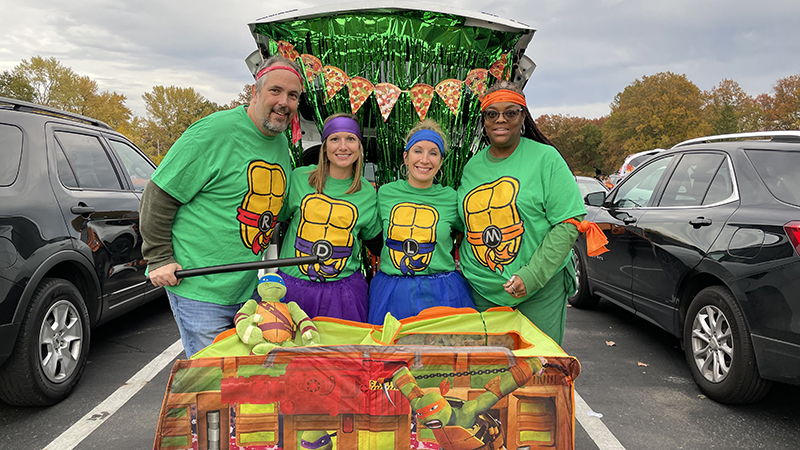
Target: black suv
70,249
704,242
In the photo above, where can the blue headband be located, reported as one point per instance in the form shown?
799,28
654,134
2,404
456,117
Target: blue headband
426,135
338,124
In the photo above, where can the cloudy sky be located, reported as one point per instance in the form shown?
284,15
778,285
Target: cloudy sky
586,51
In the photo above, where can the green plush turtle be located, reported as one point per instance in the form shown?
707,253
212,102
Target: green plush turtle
270,323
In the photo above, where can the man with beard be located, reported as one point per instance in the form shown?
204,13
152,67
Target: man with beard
214,200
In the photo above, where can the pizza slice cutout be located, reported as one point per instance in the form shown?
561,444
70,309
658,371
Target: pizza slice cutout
387,95
499,67
360,89
287,50
450,92
312,66
421,98
335,79
476,81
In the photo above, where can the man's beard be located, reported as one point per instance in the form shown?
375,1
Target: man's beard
276,127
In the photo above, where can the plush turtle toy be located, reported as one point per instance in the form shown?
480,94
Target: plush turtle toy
270,323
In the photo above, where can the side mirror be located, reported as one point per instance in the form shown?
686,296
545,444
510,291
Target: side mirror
594,198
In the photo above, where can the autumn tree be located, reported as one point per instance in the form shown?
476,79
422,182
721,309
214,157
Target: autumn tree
730,110
657,111
784,107
45,77
578,140
244,98
170,111
58,86
14,85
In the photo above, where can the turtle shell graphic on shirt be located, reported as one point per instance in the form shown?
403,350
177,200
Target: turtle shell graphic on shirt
411,236
266,189
493,224
325,230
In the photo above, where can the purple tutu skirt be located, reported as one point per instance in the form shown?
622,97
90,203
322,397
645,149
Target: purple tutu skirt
342,299
406,296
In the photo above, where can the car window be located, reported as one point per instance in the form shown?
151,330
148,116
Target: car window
721,186
780,171
589,186
10,153
691,179
635,162
637,189
138,168
84,163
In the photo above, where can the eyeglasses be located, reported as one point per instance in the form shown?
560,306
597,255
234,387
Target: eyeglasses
491,115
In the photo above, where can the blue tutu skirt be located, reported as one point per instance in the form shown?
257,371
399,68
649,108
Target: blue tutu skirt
406,296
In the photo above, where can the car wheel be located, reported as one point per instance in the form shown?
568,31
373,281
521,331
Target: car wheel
719,350
582,299
51,349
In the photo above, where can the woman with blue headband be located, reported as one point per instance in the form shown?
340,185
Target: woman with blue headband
332,208
418,216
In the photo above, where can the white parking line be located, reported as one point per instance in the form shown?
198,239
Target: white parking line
96,417
595,427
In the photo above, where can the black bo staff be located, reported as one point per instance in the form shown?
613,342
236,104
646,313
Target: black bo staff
267,264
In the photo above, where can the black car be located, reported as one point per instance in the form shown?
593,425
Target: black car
70,249
703,242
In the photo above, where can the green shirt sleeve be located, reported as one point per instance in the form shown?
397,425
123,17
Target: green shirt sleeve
549,256
156,214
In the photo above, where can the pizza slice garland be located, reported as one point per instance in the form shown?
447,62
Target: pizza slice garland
450,92
387,95
335,80
312,66
360,89
476,81
421,98
287,50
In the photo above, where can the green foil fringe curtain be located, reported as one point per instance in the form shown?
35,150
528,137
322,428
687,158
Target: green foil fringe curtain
402,48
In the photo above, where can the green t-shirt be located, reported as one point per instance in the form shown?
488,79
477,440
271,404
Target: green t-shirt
417,224
507,208
232,181
328,224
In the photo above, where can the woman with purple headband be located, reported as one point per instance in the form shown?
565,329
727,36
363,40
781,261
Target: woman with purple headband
418,216
332,208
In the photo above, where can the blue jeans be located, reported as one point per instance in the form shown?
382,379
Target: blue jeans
200,322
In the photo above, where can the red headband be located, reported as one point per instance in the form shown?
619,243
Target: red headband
296,132
278,67
502,95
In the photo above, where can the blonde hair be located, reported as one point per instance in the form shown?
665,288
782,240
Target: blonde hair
317,177
429,124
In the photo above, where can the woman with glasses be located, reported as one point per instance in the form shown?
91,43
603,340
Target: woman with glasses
418,216
514,199
332,208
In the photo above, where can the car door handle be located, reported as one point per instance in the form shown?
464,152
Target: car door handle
700,222
627,220
81,209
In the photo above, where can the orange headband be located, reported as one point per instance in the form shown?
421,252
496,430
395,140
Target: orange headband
502,95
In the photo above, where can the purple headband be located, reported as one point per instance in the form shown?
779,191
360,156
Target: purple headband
338,124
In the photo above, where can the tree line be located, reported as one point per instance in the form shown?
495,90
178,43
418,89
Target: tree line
661,110
656,111
169,109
